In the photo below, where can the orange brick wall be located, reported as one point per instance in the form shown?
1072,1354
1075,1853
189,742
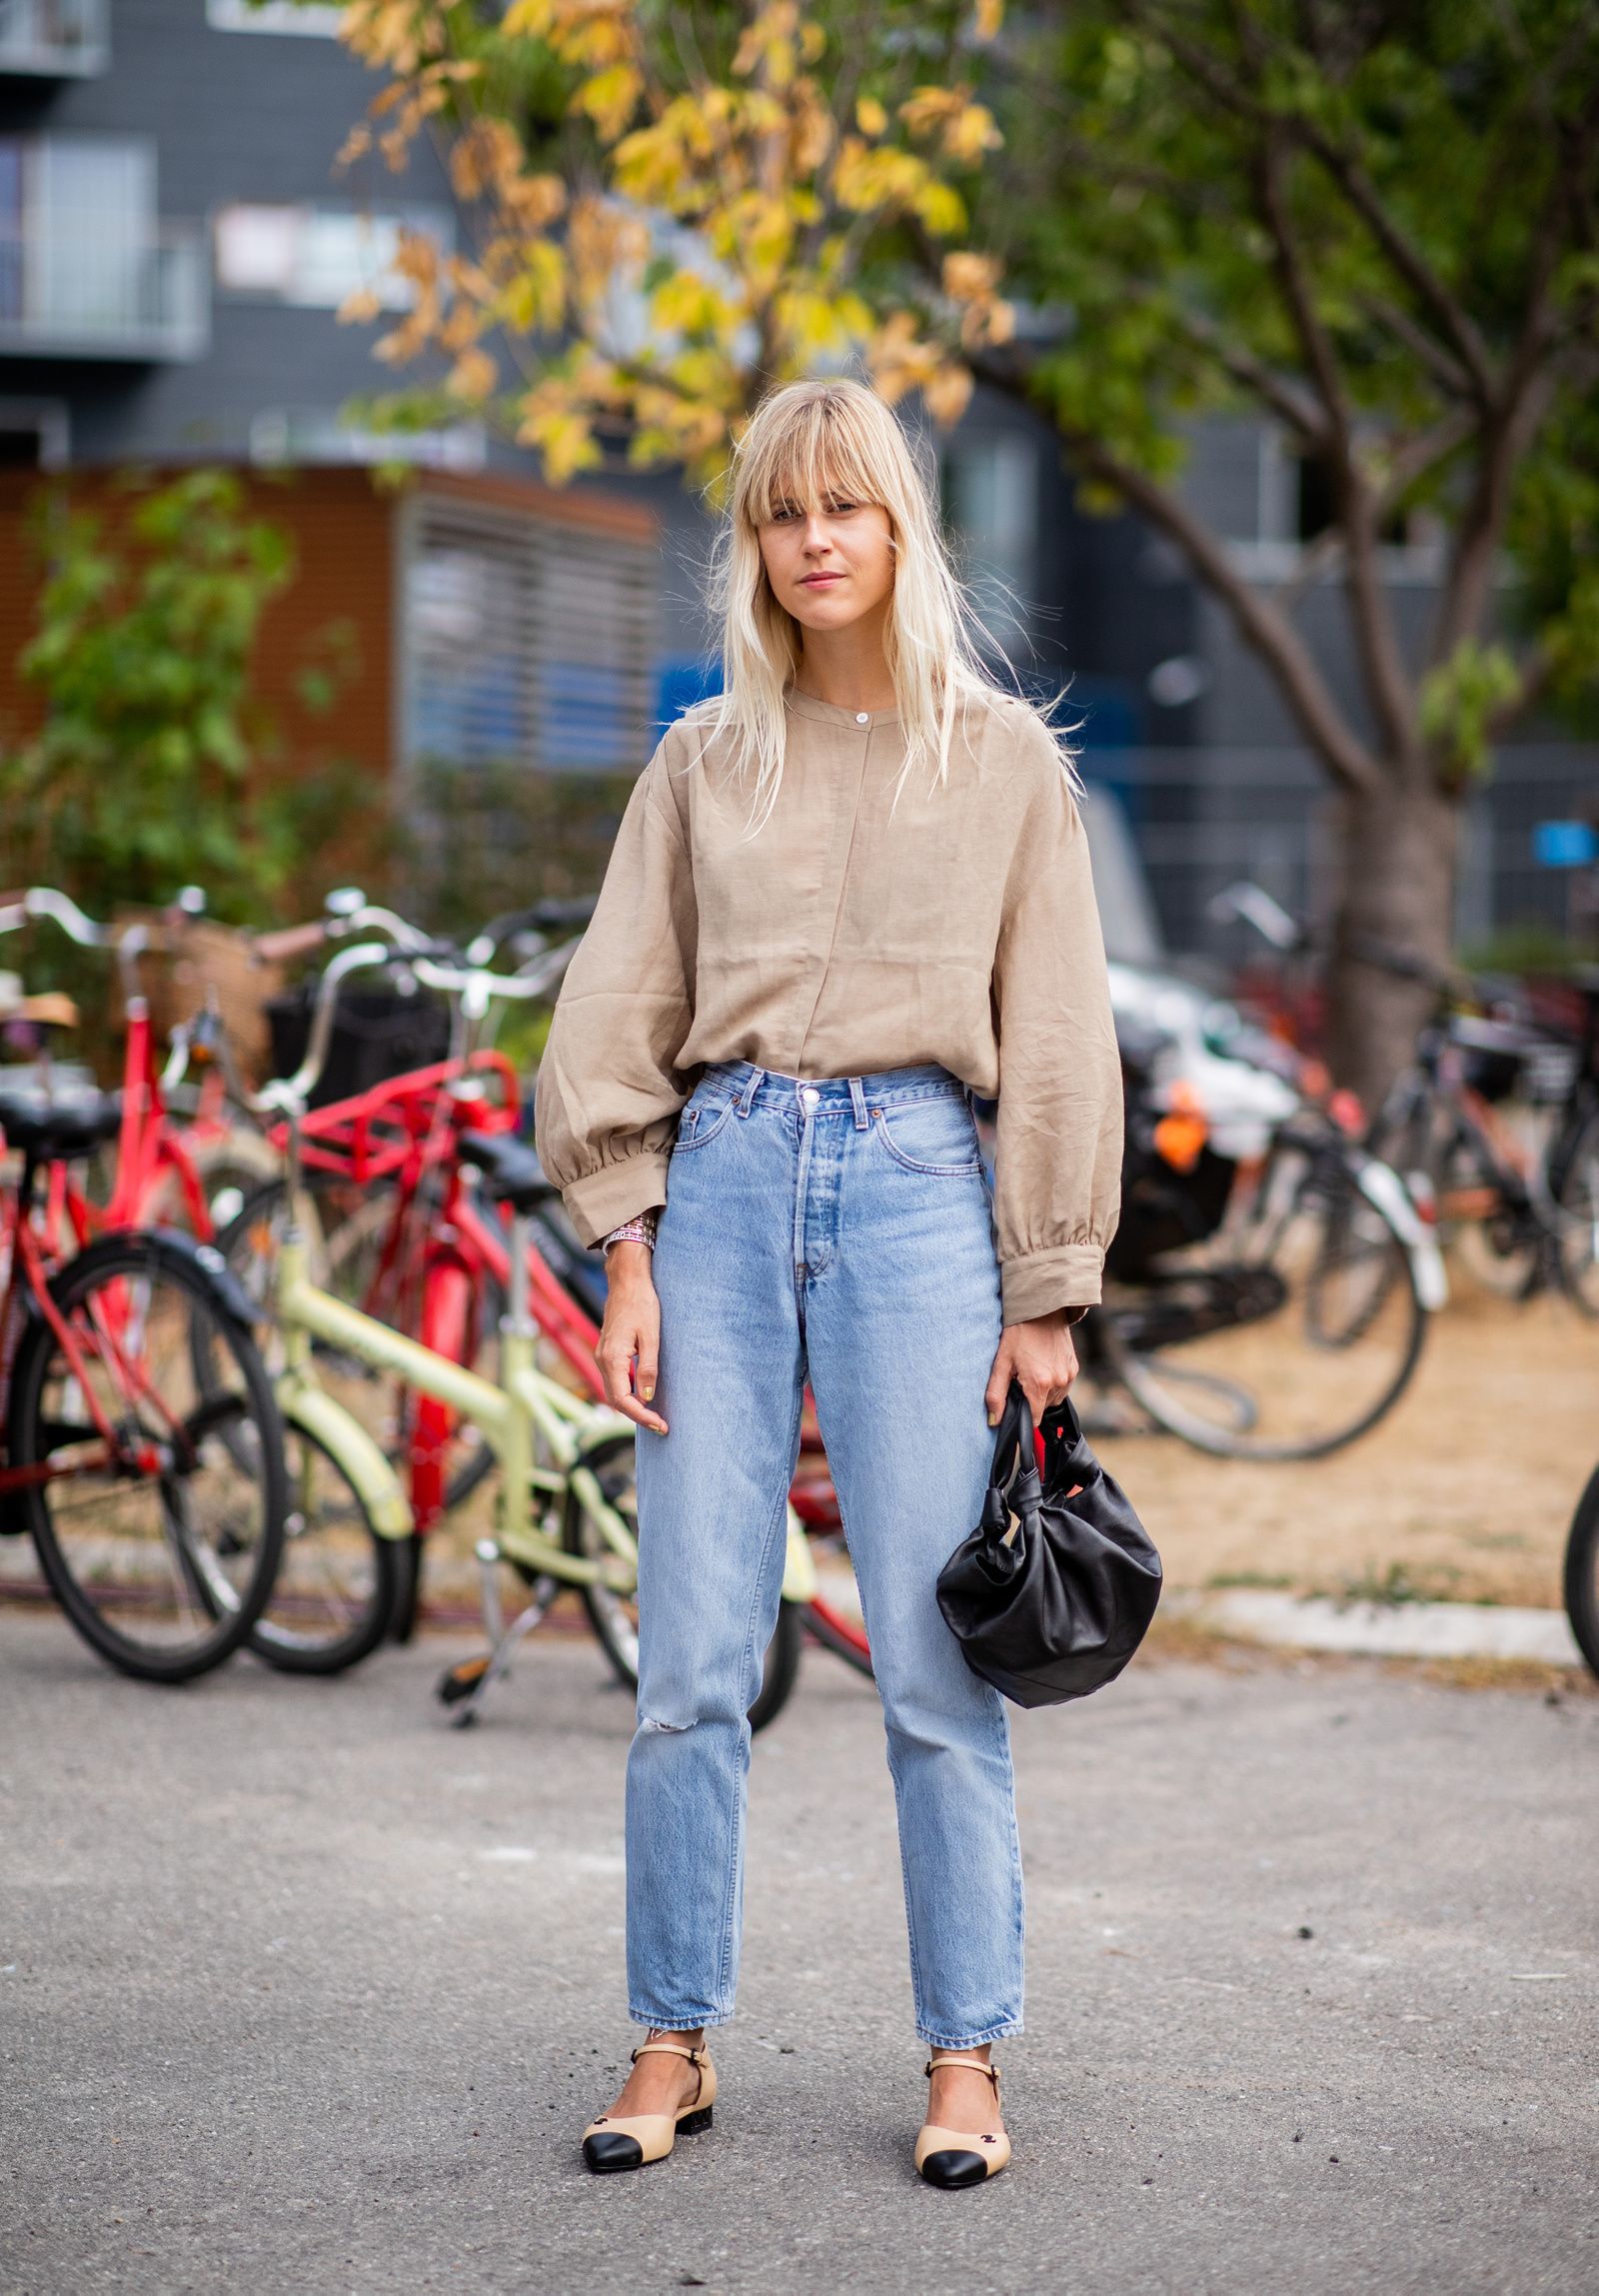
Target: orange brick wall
340,529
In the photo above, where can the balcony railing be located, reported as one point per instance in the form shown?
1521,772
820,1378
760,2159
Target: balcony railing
55,39
85,288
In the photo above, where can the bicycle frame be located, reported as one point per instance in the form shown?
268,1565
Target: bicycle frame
523,1405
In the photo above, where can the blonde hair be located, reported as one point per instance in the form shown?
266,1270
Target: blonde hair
806,443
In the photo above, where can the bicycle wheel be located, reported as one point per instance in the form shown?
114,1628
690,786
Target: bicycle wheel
349,1235
340,1580
1287,1335
614,1616
1582,1573
161,1548
1485,1220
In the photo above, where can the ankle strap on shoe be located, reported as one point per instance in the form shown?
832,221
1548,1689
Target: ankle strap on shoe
948,2058
700,2056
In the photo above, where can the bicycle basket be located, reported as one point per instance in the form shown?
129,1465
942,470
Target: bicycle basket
377,1034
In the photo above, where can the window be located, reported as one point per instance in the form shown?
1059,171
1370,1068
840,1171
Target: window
314,256
312,22
527,642
991,506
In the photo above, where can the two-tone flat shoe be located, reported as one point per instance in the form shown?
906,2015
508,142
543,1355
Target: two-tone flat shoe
952,2158
611,2143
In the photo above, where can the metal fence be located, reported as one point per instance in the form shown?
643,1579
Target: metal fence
1202,818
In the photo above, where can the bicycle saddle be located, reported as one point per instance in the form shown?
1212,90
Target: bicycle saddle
511,1170
50,1131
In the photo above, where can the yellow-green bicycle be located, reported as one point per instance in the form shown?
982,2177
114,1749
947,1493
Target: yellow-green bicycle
564,1504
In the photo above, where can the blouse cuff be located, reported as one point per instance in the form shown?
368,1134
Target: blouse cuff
603,1200
1066,1275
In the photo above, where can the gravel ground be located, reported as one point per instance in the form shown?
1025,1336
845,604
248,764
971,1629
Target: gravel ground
1463,1494
300,1991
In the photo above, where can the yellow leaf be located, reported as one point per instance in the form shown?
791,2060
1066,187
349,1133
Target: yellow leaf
529,19
359,306
536,299
870,118
473,376
966,275
611,98
969,134
941,209
988,18
565,441
947,393
929,108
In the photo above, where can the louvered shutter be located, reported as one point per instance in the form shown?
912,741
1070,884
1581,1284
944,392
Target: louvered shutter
526,642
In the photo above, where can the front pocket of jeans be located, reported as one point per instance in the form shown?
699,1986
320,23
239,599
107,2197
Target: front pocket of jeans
700,1122
934,1136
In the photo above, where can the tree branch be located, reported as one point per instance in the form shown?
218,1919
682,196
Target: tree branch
1405,259
1517,409
1389,686
1263,628
1445,370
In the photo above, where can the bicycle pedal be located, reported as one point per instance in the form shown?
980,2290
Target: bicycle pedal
462,1679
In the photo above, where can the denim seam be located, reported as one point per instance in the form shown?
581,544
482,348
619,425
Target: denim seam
969,1171
899,1831
1000,2032
700,1136
779,1515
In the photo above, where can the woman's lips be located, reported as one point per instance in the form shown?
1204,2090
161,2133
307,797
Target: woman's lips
819,581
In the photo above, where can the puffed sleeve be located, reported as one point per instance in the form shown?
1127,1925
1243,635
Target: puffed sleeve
607,1092
1058,1156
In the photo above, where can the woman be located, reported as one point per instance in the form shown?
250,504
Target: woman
847,893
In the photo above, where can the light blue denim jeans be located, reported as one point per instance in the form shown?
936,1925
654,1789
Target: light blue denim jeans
840,1228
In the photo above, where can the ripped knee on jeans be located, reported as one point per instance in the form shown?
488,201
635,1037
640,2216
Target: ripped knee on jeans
662,1729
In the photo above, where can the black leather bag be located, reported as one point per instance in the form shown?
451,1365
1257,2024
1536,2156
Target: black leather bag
1054,1605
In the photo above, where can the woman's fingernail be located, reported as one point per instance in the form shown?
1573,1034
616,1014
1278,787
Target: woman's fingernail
647,1393
993,1418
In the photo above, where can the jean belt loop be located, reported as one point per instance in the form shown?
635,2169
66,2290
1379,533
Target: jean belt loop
751,1086
857,1100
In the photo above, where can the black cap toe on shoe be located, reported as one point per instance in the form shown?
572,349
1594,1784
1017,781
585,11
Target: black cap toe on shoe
607,2153
950,2170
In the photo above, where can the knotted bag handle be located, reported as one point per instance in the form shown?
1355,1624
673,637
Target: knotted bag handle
1014,1484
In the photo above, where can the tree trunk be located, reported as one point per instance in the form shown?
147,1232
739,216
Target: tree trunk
1398,881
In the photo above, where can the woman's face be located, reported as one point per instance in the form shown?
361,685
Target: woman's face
832,564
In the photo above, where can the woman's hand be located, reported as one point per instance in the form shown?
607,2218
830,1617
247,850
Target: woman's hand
1041,1355
631,1328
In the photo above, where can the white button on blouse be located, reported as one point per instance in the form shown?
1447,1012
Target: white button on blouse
861,717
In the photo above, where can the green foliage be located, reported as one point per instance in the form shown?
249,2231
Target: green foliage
484,840
1460,699
152,768
1373,224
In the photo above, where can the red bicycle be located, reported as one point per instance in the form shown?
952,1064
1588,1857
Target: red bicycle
161,1172
156,1507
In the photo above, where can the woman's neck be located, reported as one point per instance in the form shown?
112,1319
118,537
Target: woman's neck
846,667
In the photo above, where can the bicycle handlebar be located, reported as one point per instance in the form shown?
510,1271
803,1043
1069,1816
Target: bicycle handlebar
441,968
290,1095
44,900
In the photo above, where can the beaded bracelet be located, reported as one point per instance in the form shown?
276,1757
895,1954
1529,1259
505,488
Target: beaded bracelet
642,1229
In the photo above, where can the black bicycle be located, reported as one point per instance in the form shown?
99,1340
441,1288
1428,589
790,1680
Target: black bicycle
1521,1220
1268,1311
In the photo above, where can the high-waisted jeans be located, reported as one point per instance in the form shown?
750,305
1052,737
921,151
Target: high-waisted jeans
840,1228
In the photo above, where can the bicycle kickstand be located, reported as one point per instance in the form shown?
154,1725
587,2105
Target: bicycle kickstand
466,1686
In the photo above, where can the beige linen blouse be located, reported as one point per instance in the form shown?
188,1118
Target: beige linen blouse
836,940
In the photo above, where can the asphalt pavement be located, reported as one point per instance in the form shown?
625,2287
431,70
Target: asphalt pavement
302,1990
